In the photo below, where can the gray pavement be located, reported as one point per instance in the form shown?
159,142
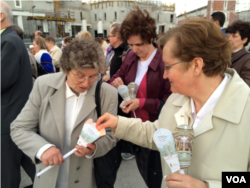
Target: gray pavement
128,176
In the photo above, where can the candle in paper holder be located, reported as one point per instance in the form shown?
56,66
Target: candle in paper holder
164,141
89,135
183,138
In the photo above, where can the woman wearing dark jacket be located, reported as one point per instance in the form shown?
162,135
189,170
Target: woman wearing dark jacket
144,66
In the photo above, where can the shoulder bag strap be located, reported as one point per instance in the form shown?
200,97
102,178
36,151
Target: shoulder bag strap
97,98
238,58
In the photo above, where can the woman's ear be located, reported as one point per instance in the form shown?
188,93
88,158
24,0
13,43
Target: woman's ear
197,64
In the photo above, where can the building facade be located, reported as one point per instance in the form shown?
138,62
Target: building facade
55,18
51,17
105,13
233,10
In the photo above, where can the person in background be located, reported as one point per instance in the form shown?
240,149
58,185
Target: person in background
105,45
114,59
42,56
84,34
16,85
32,50
63,43
67,40
58,106
39,33
208,97
54,51
99,40
219,19
143,65
239,36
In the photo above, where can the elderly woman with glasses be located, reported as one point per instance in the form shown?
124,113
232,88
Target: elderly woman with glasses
58,107
208,96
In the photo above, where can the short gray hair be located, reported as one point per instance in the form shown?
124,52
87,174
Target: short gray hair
82,54
5,8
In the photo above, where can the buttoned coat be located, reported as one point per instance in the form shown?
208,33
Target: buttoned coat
46,109
222,141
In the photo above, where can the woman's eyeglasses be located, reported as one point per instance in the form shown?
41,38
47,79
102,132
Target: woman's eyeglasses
84,78
167,67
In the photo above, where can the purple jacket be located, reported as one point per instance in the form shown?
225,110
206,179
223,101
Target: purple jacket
158,89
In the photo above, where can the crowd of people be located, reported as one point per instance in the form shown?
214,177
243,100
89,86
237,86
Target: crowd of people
197,74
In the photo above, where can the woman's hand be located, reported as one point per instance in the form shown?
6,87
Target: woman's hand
52,156
183,181
107,120
131,105
117,82
105,78
82,151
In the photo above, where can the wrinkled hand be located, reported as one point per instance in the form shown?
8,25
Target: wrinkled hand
82,151
117,82
105,78
183,181
107,120
131,105
52,156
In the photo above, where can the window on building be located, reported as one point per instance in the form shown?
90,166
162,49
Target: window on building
115,15
95,17
81,15
18,3
105,33
171,18
105,17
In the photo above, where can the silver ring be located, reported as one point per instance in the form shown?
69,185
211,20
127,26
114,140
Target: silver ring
51,162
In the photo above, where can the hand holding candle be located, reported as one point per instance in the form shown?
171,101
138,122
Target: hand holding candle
124,92
89,135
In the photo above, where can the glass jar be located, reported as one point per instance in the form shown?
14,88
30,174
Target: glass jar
183,138
132,88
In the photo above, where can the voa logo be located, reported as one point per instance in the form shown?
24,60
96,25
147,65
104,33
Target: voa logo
235,179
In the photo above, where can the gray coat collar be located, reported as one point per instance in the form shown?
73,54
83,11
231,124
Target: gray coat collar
57,102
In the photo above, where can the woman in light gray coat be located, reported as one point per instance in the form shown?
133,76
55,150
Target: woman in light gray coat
207,96
58,106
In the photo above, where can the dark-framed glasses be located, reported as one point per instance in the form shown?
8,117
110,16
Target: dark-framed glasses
110,36
83,78
167,67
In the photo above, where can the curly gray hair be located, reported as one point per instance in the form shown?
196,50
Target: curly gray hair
82,54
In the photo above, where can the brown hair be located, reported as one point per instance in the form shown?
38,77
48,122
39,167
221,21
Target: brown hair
67,39
41,42
197,37
50,39
18,30
138,22
242,27
82,54
99,40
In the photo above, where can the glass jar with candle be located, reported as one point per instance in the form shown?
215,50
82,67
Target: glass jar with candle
132,87
183,138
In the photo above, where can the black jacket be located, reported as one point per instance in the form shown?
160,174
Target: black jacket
16,77
116,61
